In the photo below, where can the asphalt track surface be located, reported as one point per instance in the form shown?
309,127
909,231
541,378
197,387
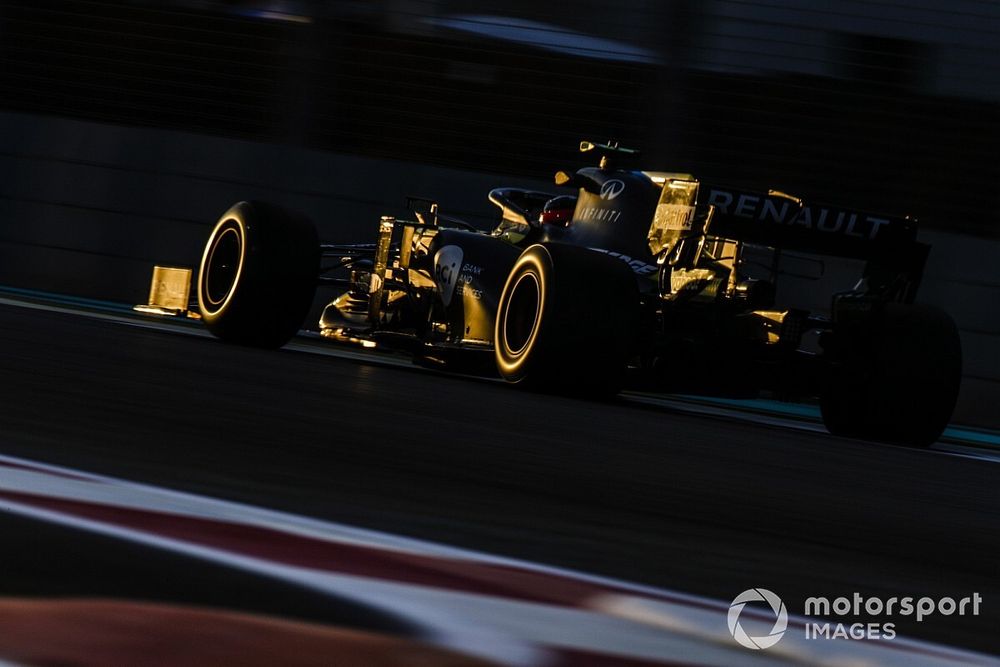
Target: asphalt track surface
687,502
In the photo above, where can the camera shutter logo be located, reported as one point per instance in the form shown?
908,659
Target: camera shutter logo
780,621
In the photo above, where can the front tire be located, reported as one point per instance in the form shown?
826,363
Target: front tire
258,274
566,321
899,381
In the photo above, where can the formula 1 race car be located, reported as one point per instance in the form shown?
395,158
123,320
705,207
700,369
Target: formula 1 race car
638,278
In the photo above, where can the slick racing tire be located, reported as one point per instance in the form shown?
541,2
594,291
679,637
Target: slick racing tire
566,321
258,275
898,382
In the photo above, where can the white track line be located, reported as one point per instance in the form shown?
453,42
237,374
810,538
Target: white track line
625,620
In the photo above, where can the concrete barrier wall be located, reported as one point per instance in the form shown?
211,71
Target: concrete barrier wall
963,277
87,209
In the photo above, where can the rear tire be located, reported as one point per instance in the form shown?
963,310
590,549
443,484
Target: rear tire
566,321
258,274
899,382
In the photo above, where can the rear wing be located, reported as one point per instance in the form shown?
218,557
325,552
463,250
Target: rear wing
776,219
688,209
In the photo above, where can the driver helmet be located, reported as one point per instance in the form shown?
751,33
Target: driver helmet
558,211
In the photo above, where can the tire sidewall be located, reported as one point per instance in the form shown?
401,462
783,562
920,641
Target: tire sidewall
274,285
214,311
516,365
587,321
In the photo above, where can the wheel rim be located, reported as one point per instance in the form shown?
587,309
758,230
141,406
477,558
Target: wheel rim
522,314
223,262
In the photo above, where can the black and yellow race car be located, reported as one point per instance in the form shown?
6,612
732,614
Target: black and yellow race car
630,277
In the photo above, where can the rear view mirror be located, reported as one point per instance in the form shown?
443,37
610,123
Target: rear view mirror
586,146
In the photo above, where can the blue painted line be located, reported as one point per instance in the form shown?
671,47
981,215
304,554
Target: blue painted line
974,436
65,299
963,434
797,410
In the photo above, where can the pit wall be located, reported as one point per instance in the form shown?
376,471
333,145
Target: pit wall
87,209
